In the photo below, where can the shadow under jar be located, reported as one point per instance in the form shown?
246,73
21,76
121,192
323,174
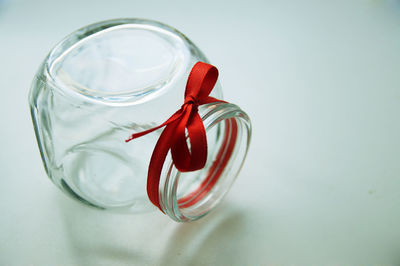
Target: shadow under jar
114,78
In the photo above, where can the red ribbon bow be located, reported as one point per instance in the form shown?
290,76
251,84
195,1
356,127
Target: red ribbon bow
200,83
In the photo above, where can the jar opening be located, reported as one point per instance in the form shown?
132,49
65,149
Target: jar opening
190,196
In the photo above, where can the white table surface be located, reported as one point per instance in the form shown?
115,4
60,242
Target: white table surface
321,185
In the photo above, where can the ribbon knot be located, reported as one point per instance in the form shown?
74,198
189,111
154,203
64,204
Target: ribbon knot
190,100
183,126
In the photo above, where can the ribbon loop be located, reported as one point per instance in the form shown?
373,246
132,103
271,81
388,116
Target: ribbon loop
183,126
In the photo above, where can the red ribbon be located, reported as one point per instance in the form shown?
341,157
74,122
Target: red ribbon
200,83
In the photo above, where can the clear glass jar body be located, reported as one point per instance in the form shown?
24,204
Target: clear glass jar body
114,78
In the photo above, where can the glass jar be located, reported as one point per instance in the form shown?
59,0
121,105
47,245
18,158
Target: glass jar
114,78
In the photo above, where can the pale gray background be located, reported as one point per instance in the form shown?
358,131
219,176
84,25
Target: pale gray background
321,186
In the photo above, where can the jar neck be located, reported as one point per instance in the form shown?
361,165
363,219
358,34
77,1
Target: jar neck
189,196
